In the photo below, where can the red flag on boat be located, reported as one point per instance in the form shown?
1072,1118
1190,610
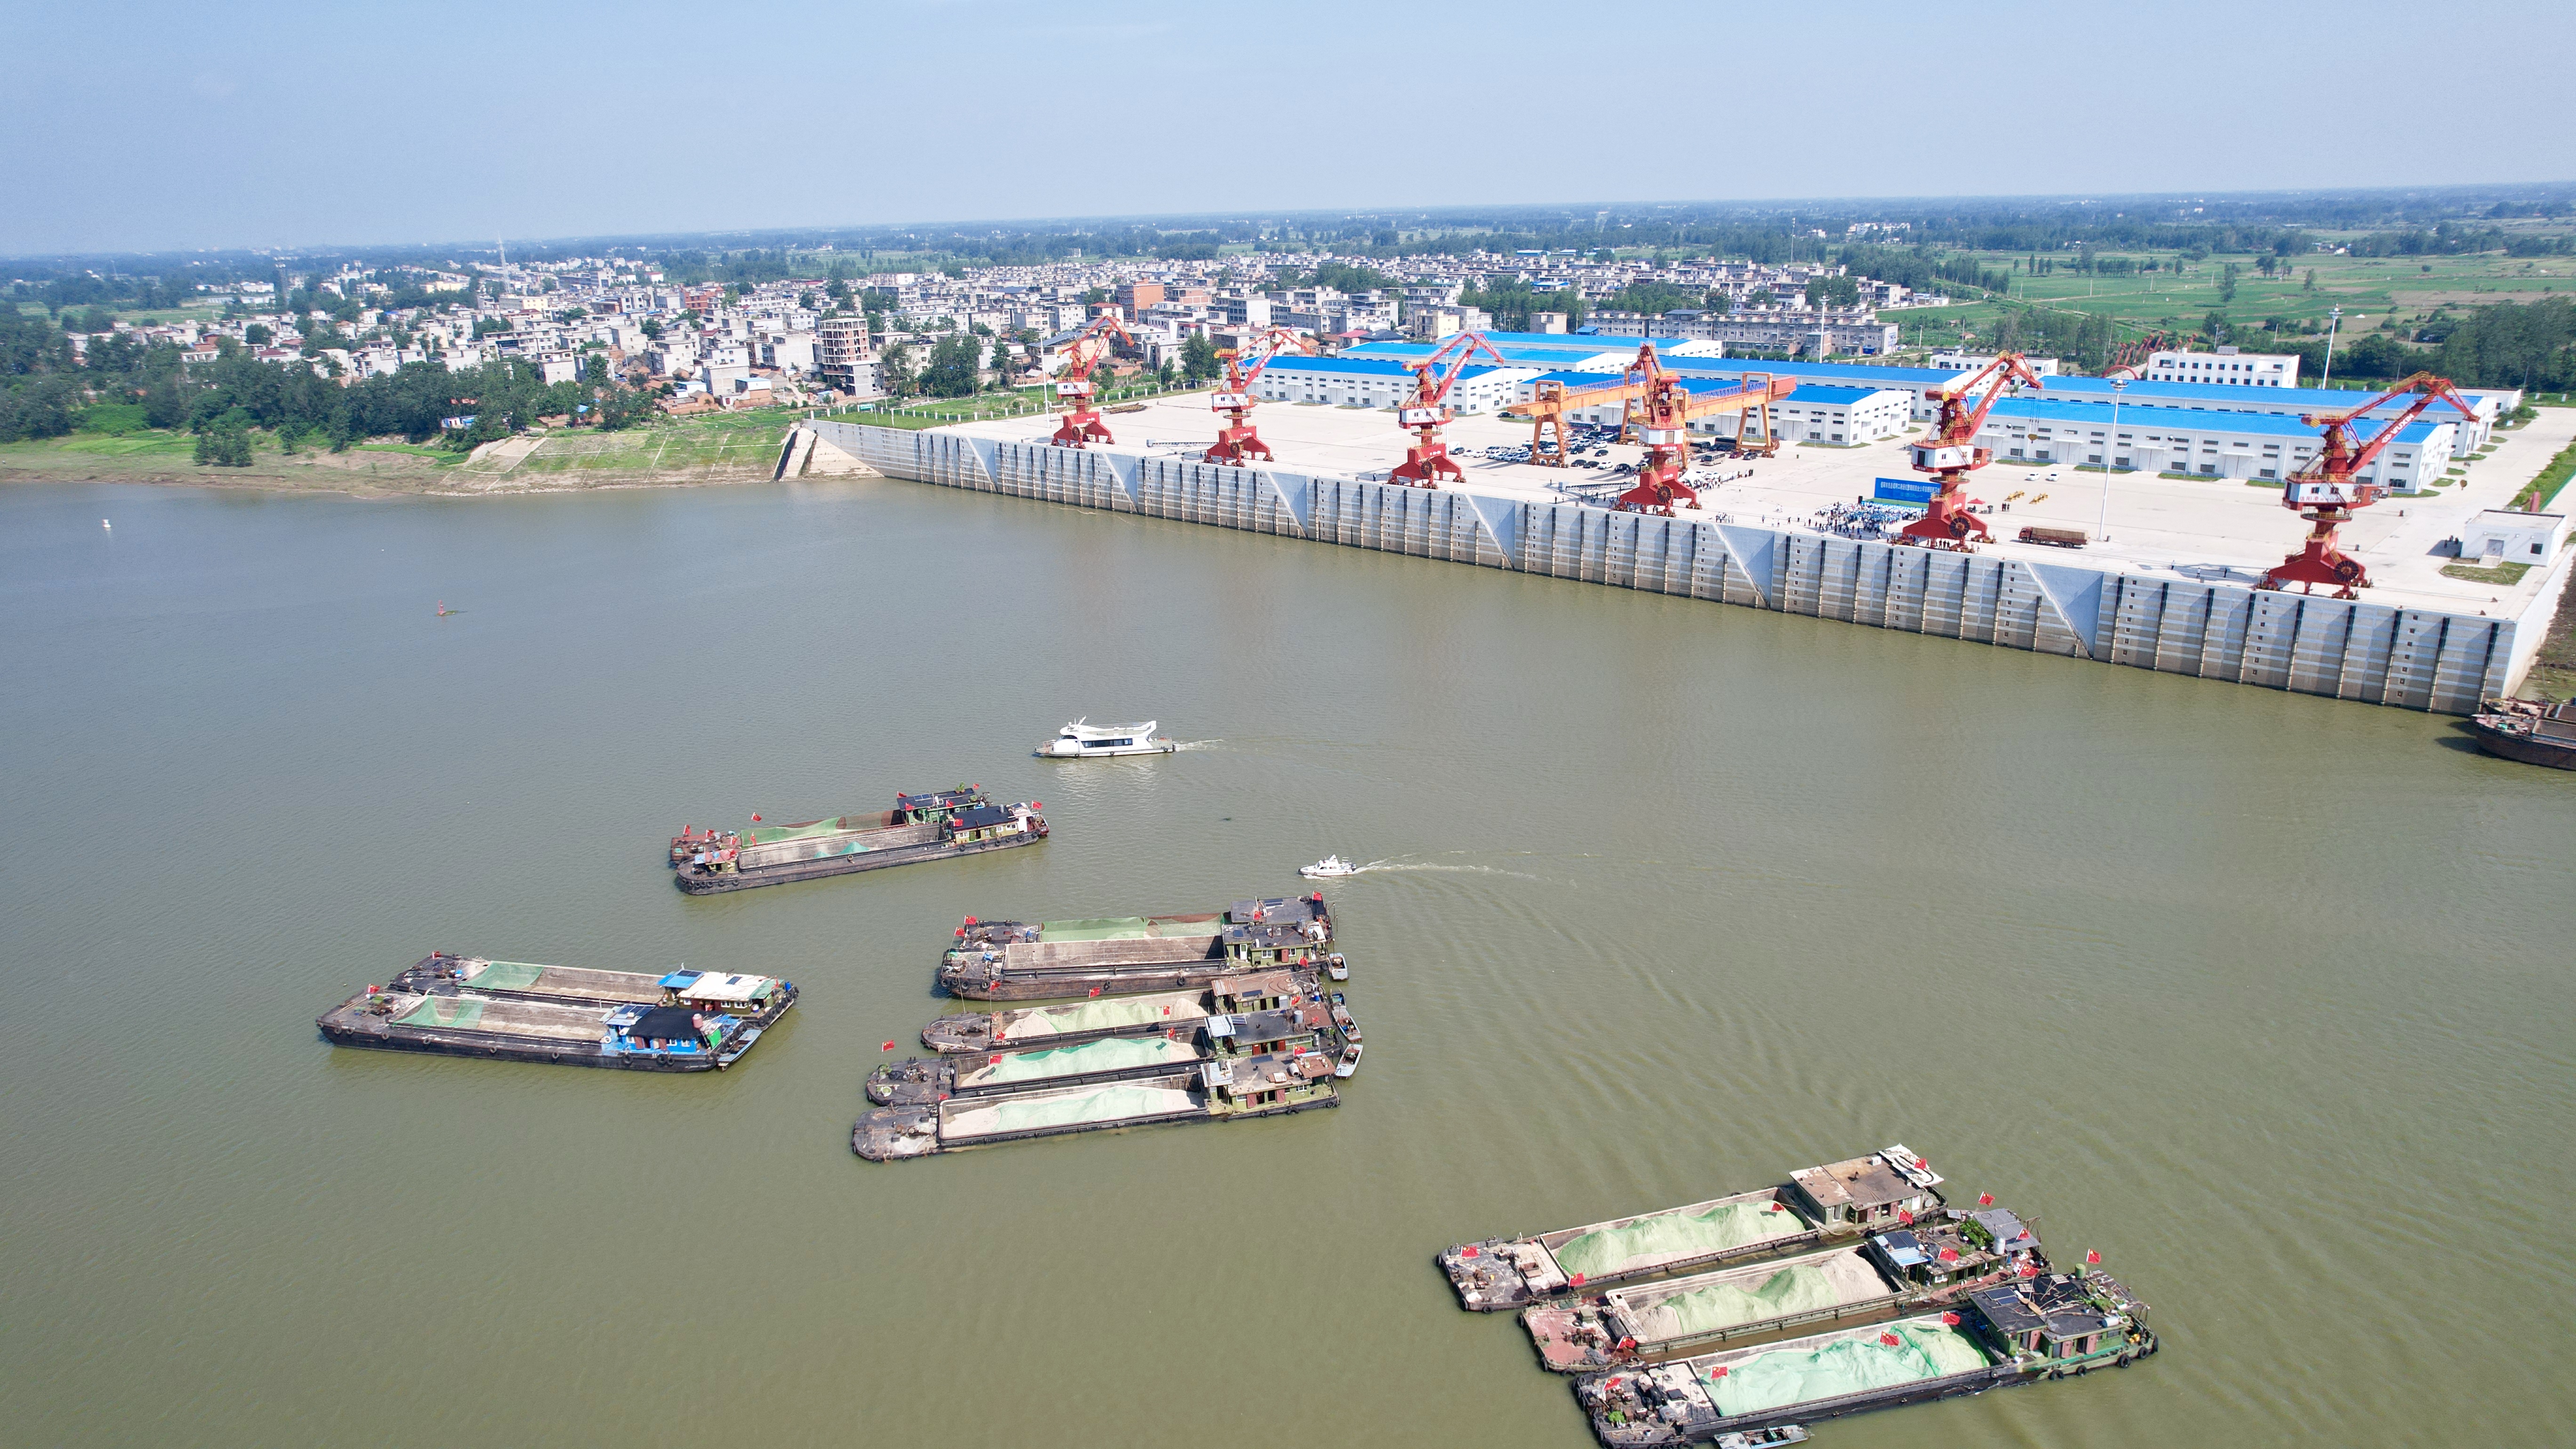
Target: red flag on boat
1037,804
1905,1217
1469,1251
992,1061
755,820
2091,1256
1095,991
1950,1320
970,920
1718,1372
889,1046
1891,1340
1775,1206
1949,1255
2030,1270
1985,1199
1576,1280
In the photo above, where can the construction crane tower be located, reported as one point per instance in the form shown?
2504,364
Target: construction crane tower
2328,489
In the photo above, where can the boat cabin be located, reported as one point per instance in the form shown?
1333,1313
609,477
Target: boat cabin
936,805
983,822
1883,1188
2056,1316
666,1030
719,989
1931,1253
1248,1033
1250,1083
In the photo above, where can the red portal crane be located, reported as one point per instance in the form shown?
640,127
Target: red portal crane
1427,461
1236,442
1081,424
1949,452
2325,492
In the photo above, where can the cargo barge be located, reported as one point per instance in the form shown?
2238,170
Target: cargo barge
1217,1091
1928,1264
1217,1036
940,825
2021,1331
1121,955
681,1021
1817,1202
1078,1021
2528,731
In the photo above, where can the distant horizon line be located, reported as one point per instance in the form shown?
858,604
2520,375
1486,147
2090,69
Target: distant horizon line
1482,211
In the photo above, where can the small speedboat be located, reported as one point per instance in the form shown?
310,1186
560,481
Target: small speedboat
1328,867
1337,966
1083,740
1350,1061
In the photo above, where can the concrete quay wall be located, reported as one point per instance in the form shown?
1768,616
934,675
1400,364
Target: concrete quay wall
2410,658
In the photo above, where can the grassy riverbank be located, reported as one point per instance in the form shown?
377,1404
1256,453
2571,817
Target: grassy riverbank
718,448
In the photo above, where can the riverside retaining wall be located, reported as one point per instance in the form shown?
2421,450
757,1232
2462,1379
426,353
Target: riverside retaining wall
2411,658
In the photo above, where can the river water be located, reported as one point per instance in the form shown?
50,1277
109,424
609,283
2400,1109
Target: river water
2263,996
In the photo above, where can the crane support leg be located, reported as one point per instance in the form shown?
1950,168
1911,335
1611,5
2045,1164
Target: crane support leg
2320,562
1425,464
1237,445
1946,521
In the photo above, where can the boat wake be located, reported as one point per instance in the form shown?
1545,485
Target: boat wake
1424,865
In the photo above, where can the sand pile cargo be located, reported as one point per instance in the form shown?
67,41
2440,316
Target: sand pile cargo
1000,960
449,1005
934,825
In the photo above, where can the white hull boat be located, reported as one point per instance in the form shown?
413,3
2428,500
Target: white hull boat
1083,740
1327,868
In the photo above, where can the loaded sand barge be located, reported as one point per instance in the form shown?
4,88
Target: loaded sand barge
2020,1331
1931,1264
939,825
1841,1198
1306,1025
1215,1091
1120,955
1089,1020
682,1021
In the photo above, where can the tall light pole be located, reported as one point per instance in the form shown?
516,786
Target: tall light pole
2110,456
2334,319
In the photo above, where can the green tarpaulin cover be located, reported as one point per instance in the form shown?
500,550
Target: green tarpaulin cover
1107,1055
1848,1366
1671,1235
1100,928
507,976
442,1011
1100,1104
772,834
1799,1289
1099,1015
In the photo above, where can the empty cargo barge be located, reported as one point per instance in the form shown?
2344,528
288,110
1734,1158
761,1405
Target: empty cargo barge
1906,1270
1840,1198
1120,955
940,825
1215,1091
1284,1029
2015,1332
682,1021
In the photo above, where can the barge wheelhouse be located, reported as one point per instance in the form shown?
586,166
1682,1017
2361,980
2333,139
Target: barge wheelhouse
1222,1090
680,1021
1119,955
938,825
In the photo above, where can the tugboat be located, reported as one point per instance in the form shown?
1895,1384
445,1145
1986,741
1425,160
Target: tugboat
938,825
1083,740
2529,731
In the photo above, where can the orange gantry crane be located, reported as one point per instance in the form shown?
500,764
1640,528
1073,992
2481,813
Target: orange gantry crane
1236,442
1081,424
2326,491
1949,452
1427,460
1661,408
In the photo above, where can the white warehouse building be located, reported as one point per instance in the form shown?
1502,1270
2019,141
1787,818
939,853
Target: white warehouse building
1379,382
2226,367
2205,444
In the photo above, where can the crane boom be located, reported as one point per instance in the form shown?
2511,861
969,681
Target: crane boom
1663,408
1237,442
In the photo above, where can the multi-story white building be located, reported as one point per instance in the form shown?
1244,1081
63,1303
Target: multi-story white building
1957,361
1378,382
842,355
2226,367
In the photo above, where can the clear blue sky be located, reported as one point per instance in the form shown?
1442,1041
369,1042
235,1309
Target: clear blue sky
172,125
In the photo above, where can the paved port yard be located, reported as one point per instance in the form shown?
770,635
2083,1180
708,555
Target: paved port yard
2221,530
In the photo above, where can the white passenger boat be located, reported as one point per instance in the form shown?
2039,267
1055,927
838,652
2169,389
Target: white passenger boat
1327,868
1083,740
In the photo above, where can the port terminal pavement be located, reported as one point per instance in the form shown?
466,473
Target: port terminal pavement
2167,585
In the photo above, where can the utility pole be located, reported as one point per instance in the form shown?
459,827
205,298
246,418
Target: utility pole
2334,319
2110,458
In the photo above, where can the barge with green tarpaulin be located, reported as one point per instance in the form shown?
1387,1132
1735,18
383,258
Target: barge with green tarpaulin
1221,1090
1922,1264
1123,955
935,825
1065,1023
470,1006
1833,1200
2020,1331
